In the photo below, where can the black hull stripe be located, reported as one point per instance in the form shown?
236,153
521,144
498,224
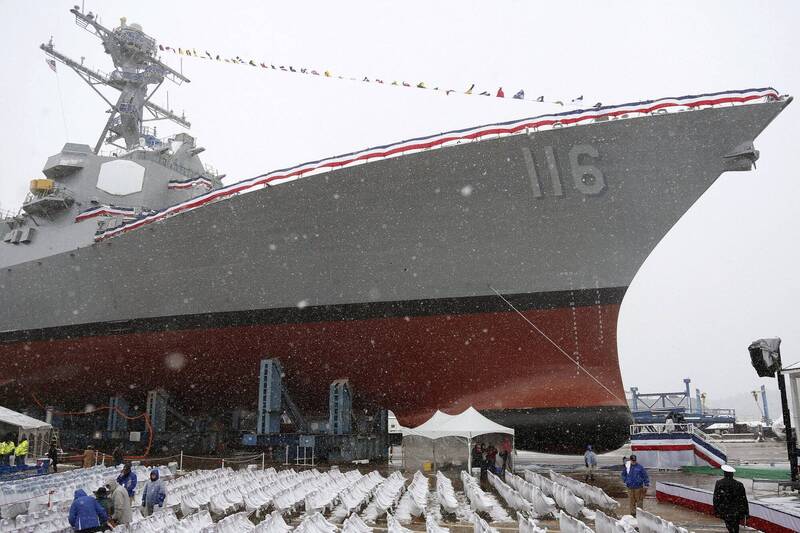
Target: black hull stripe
327,313
567,429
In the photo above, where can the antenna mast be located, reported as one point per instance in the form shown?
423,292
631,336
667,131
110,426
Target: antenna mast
136,67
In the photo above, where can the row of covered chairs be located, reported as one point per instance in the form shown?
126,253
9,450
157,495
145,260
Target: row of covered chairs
447,496
357,494
541,503
384,497
588,493
414,500
481,501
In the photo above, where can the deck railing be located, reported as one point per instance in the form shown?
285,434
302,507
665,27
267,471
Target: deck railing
655,429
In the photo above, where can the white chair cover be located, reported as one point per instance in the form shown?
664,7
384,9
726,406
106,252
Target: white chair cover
567,524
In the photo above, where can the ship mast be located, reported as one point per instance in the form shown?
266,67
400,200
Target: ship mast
136,68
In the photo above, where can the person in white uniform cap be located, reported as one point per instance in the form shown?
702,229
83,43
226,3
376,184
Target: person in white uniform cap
730,500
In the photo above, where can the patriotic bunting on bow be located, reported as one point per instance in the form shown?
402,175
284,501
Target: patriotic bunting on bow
570,118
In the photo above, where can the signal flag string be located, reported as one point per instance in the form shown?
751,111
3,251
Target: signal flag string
471,90
551,341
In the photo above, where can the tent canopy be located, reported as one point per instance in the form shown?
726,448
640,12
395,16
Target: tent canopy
432,424
13,418
468,425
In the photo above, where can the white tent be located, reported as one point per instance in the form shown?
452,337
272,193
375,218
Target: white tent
465,426
36,431
432,424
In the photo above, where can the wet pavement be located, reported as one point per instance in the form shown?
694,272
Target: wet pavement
608,478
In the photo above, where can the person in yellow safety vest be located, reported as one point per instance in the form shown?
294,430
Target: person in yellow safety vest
8,450
4,451
21,451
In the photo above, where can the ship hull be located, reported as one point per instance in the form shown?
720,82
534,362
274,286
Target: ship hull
387,273
468,351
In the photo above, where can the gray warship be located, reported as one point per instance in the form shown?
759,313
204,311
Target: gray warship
481,267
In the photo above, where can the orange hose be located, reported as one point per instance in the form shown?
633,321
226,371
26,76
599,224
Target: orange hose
144,415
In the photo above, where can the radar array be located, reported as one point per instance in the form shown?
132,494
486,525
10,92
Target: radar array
136,68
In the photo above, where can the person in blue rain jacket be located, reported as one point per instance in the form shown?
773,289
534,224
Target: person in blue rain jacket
86,514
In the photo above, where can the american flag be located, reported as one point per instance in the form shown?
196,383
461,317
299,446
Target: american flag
52,64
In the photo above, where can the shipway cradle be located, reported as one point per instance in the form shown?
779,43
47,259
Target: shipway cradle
398,267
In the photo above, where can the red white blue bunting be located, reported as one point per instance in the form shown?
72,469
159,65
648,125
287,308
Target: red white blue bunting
199,181
490,131
106,210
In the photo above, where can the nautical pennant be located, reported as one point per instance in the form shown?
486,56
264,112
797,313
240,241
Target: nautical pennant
192,52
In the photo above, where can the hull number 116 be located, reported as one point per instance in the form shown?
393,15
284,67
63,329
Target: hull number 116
587,178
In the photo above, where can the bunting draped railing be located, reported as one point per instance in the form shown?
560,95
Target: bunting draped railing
106,210
189,183
395,82
489,131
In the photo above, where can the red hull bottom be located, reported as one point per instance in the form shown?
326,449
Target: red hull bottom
413,365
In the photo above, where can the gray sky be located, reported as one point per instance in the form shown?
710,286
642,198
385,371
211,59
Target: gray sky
725,275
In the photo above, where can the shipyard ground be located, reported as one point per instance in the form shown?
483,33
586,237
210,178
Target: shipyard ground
767,454
751,453
608,478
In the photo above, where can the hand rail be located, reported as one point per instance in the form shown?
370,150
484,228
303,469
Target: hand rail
638,429
641,429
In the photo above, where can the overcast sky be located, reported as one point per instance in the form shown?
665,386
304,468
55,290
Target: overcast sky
725,275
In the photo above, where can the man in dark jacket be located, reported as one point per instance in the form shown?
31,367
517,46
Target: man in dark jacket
101,495
635,477
483,462
730,500
118,455
52,454
477,456
85,514
491,458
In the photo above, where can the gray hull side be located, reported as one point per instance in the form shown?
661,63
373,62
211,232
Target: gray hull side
445,223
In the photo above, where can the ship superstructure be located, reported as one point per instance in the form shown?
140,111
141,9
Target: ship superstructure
128,172
479,267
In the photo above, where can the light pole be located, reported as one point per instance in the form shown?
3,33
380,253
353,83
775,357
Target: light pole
765,356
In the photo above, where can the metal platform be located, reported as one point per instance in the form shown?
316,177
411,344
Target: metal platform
654,407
